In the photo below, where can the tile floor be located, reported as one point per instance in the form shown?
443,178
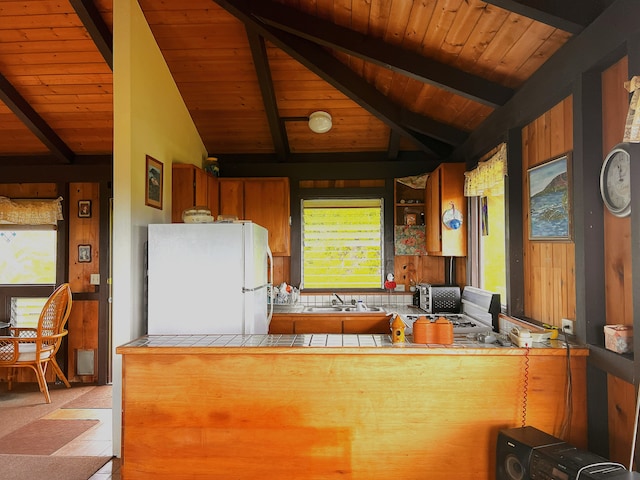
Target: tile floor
94,442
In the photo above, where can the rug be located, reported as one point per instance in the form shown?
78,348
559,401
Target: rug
43,437
97,397
30,467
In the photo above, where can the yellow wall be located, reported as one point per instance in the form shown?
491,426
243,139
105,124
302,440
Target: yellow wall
150,119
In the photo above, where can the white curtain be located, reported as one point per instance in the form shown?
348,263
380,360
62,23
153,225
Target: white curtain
632,126
30,212
488,177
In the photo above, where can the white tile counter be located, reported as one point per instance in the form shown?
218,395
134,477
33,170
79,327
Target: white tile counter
347,343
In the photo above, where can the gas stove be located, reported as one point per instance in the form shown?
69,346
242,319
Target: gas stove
479,312
461,323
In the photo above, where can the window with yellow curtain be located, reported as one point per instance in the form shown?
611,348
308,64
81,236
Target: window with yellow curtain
485,186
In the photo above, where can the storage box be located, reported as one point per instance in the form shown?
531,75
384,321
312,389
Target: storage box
618,338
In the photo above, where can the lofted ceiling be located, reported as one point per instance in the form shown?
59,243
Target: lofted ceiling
395,75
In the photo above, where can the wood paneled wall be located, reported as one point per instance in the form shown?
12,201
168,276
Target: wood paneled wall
617,241
83,231
549,266
83,321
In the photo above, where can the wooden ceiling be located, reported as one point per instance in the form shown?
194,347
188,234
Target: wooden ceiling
395,75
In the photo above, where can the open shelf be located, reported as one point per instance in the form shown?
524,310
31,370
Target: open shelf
619,364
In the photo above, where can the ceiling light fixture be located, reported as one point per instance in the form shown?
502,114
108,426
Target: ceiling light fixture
320,122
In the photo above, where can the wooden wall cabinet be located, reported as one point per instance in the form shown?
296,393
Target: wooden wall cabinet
264,201
337,323
409,204
191,186
445,186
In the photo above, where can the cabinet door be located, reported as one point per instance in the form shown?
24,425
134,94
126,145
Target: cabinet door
372,325
190,187
281,324
266,202
213,195
182,190
454,241
445,187
201,183
232,197
432,200
318,324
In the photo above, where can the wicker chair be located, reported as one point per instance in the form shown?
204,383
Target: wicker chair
36,347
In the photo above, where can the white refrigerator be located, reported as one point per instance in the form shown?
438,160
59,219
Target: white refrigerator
208,278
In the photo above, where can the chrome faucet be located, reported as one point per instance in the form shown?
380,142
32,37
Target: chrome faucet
338,297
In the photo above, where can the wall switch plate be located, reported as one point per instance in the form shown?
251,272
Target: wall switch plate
567,326
95,279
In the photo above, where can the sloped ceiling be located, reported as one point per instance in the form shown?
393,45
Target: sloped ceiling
395,75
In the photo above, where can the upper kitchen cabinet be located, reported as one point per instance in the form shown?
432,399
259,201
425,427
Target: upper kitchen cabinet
446,211
409,204
264,201
409,217
190,187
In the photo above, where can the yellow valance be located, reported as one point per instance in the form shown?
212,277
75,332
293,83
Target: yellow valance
488,177
31,211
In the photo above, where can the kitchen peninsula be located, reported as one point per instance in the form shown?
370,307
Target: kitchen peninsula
335,406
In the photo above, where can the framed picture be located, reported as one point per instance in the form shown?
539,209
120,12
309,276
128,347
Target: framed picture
549,200
84,253
84,208
154,179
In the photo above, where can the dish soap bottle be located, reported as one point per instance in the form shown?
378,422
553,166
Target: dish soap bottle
397,329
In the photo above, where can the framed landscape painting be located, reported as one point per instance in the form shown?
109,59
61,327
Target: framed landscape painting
549,200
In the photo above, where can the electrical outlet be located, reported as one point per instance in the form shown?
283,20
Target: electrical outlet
567,326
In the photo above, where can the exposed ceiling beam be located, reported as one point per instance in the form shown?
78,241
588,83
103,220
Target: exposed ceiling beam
261,64
394,145
570,16
332,71
381,53
97,28
34,122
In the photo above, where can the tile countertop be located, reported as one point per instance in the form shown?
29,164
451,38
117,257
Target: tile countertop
328,344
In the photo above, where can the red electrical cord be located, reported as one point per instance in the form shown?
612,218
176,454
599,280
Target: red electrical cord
525,387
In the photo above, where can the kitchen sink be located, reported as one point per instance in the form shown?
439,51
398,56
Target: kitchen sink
366,309
341,309
322,309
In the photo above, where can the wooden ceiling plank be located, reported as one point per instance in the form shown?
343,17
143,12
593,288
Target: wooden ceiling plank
568,15
97,28
261,63
342,78
381,53
19,106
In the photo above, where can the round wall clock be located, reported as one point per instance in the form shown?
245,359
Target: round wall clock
615,183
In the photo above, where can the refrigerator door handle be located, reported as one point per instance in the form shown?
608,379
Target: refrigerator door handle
270,284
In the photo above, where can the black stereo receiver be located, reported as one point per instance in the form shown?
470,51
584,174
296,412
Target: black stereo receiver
565,462
527,453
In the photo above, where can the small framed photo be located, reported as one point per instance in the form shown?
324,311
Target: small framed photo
410,219
84,253
84,208
154,178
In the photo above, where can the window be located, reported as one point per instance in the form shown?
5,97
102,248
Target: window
485,186
342,243
492,258
28,256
